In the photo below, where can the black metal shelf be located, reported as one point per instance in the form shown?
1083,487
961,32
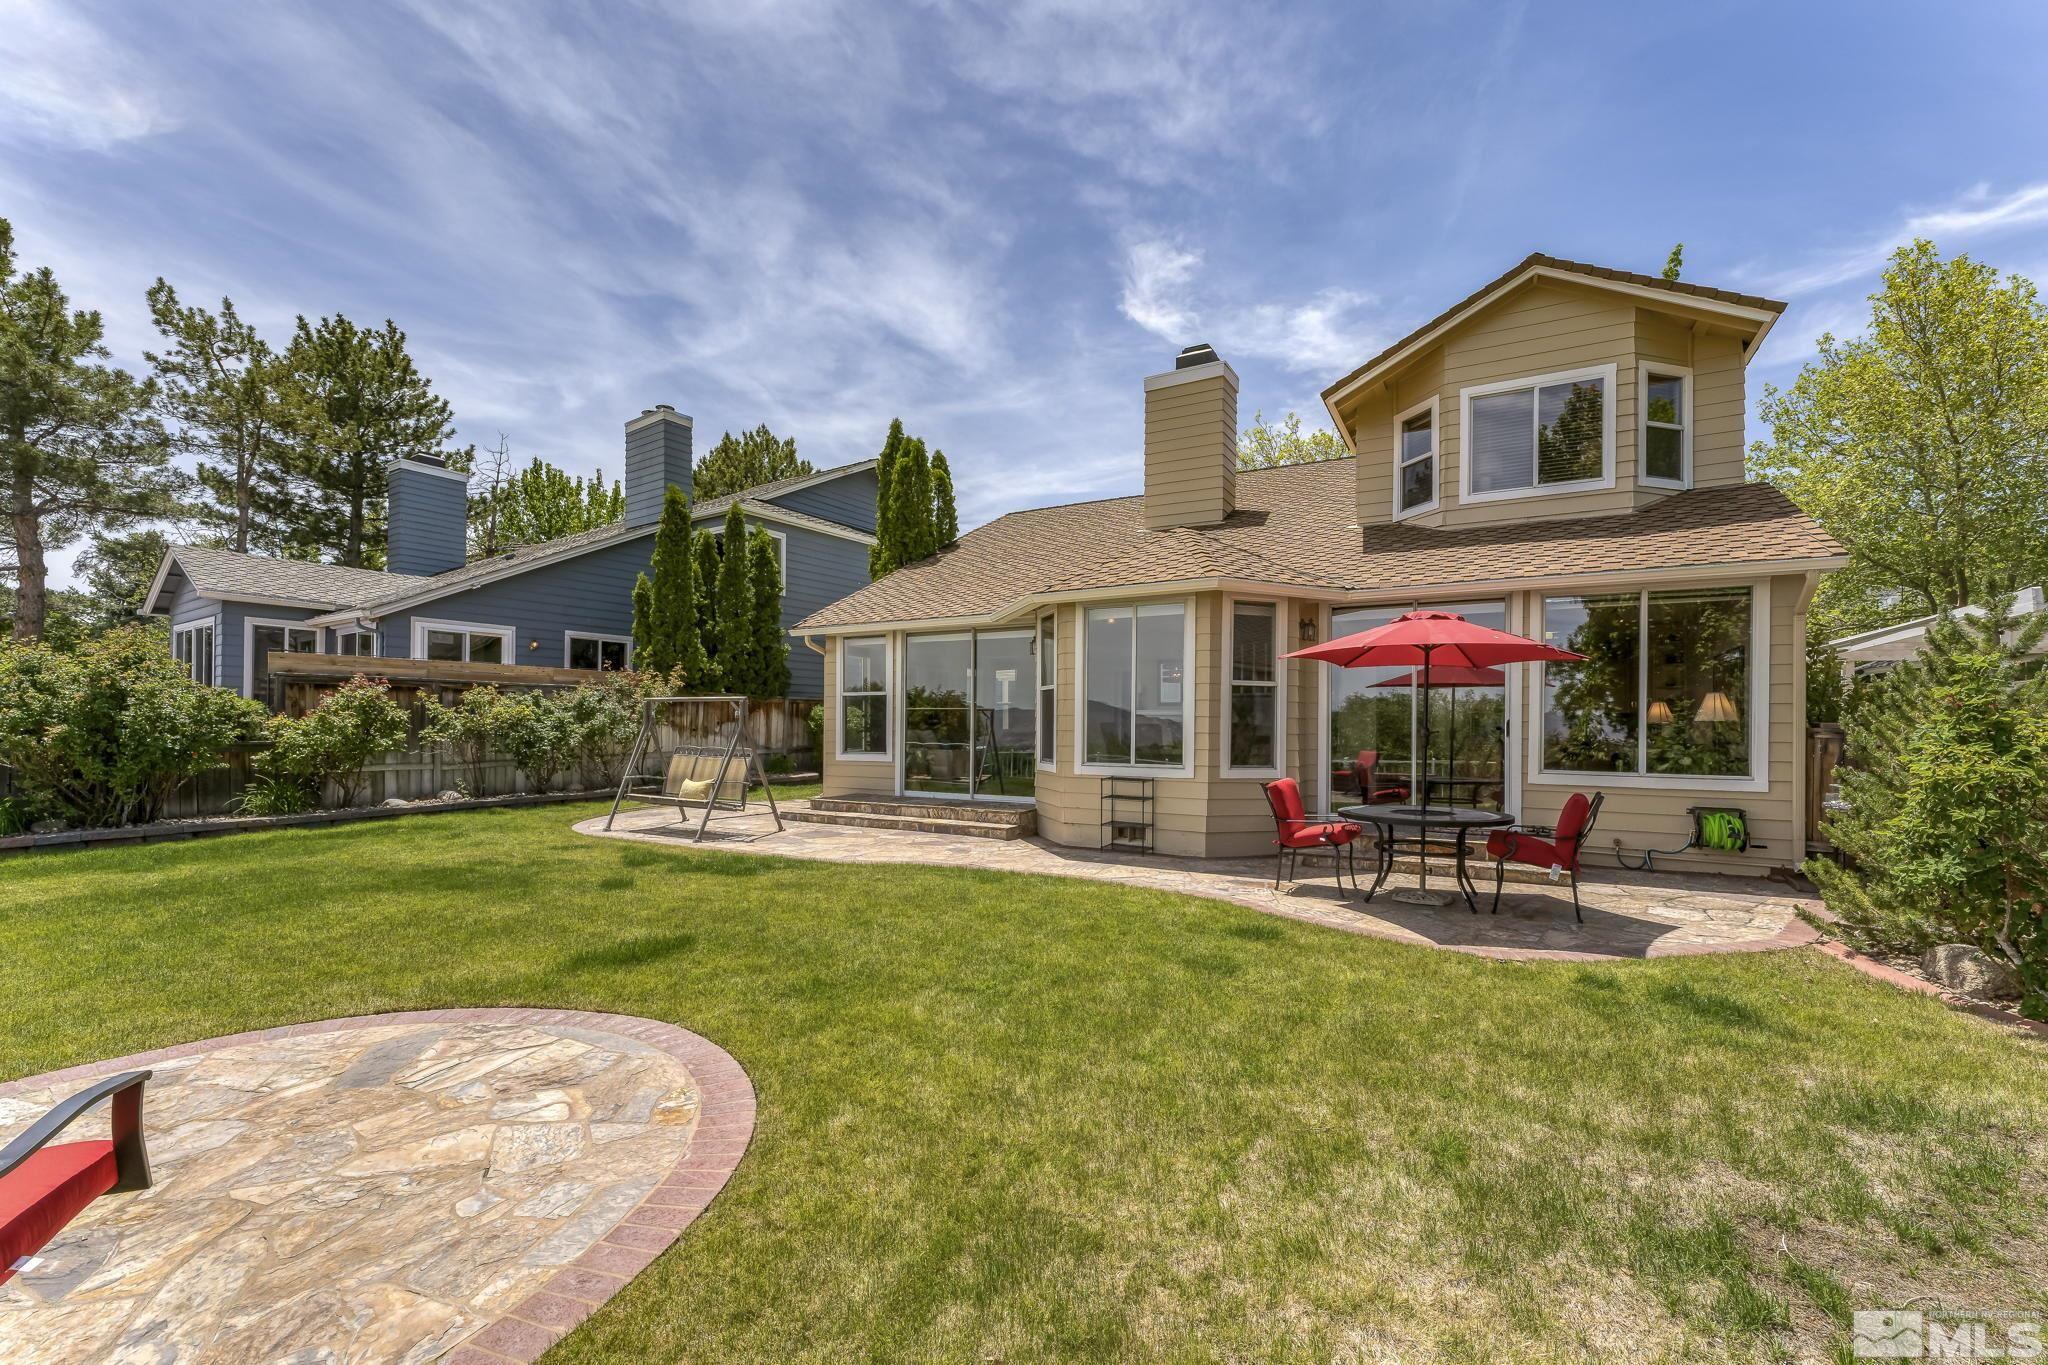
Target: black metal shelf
1126,809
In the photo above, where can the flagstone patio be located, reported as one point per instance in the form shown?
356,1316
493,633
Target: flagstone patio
1628,915
463,1185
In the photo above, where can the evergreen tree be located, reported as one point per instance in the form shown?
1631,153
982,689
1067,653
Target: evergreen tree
119,569
79,443
704,550
945,517
879,561
739,664
228,394
359,403
665,604
738,462
914,501
771,644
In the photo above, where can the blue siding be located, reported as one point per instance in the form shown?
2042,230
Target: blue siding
657,455
848,500
230,628
427,519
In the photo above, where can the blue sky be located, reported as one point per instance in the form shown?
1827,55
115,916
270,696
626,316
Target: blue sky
991,221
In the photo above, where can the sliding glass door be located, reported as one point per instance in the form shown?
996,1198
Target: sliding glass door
1376,725
970,718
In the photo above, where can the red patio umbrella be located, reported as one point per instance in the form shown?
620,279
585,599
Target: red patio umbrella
1434,640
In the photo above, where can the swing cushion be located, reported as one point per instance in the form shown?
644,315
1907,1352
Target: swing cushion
688,790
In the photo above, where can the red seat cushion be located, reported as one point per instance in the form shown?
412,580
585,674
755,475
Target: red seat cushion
42,1194
1524,848
1316,836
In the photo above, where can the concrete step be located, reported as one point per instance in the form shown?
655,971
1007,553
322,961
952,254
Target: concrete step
921,822
929,808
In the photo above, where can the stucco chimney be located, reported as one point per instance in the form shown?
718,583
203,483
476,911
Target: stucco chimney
657,455
1191,442
426,516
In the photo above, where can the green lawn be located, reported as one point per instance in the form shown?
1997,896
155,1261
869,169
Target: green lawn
1022,1119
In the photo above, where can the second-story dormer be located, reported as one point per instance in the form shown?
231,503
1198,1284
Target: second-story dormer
1557,390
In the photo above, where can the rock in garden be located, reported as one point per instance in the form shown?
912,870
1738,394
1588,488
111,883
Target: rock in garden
1970,971
48,827
448,796
396,801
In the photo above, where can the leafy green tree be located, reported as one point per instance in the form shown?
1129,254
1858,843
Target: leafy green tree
704,548
119,569
541,503
1946,802
226,392
738,660
1674,263
771,644
738,462
945,516
879,555
334,742
359,403
1923,445
665,602
80,443
1263,446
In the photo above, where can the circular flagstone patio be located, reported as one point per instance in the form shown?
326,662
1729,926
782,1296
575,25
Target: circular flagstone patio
1628,915
463,1185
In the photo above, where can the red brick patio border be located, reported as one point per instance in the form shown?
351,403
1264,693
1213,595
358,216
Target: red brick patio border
725,1125
1916,985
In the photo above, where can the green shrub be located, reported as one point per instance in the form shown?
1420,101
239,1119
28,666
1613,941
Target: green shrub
606,716
538,732
273,794
1947,801
777,764
16,815
467,729
106,733
331,743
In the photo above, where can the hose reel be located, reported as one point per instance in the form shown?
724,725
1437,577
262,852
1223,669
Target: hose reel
1717,829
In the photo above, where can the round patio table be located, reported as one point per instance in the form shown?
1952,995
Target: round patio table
1403,827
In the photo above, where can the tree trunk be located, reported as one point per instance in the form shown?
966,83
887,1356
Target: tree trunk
245,474
31,600
352,553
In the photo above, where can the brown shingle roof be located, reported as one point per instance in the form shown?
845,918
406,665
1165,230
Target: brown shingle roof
1537,259
1297,526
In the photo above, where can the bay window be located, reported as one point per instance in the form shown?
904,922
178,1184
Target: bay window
1254,740
1666,689
1550,434
1048,683
1415,459
864,697
1667,422
1135,690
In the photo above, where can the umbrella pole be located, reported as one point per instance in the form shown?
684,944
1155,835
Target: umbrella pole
1422,847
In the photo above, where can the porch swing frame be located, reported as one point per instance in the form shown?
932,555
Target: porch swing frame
651,788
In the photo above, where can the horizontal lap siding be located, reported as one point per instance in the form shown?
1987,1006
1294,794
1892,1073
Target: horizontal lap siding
1717,404
848,500
822,569
1190,453
842,778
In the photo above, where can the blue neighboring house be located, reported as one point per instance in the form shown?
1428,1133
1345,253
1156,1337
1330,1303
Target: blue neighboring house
565,603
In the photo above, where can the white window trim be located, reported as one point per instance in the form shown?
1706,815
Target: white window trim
1189,664
889,700
343,632
211,623
1050,643
1436,458
1605,373
249,624
569,635
421,625
1758,779
1278,767
1644,369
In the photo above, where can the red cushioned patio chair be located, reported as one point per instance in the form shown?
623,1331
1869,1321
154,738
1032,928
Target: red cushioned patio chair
1295,832
1371,790
44,1186
1547,847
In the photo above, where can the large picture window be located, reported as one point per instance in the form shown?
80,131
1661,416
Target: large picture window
1666,689
864,697
1254,686
1550,434
1135,692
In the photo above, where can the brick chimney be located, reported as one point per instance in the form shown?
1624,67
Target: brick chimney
1191,442
657,455
426,516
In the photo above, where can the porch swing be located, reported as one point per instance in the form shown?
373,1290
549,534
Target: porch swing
710,772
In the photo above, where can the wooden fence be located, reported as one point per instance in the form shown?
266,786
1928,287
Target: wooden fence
775,726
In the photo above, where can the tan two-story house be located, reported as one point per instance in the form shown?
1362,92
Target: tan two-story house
1560,454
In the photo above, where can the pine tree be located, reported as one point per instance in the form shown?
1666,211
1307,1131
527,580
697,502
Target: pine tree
704,550
771,645
738,462
879,561
738,659
665,609
945,517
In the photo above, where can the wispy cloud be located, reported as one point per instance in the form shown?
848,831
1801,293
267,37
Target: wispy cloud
1323,333
66,84
1977,212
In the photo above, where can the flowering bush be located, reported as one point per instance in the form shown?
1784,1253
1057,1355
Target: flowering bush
333,742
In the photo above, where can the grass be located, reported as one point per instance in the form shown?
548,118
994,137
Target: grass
1022,1119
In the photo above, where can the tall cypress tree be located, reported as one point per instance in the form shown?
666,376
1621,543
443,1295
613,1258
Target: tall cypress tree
704,550
736,654
879,558
771,645
665,634
914,501
945,517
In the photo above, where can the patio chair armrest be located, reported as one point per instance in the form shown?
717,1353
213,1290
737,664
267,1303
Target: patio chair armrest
131,1159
